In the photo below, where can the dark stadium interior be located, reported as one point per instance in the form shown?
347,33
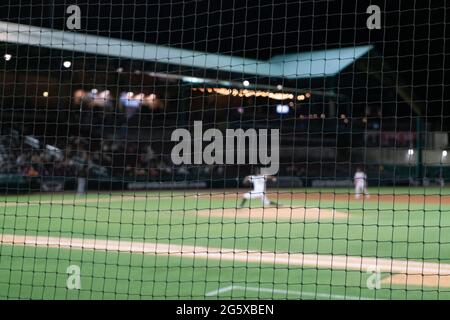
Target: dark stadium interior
345,123
224,150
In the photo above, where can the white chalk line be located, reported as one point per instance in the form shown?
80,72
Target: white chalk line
300,294
340,262
219,291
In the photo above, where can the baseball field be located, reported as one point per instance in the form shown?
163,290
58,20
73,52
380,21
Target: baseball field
321,244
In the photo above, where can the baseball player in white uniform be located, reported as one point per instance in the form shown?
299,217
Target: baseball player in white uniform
259,189
360,181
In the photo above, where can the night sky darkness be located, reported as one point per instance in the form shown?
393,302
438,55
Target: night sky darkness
413,38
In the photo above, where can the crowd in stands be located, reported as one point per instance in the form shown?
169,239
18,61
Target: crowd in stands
28,157
120,159
78,156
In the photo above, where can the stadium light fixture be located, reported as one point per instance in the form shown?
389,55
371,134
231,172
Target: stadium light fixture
7,56
282,109
279,87
67,64
246,83
247,93
193,80
410,152
45,94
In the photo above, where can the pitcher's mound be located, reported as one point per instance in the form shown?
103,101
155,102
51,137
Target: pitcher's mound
271,213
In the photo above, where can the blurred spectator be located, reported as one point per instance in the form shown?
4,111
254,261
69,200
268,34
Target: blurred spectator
77,157
150,154
29,171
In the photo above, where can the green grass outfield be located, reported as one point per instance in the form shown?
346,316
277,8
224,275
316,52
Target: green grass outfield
395,230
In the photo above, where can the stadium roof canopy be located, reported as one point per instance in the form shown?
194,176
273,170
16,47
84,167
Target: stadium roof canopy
302,65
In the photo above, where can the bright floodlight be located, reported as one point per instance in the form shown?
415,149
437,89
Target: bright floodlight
45,93
282,109
410,152
246,83
444,153
193,80
279,87
67,64
7,56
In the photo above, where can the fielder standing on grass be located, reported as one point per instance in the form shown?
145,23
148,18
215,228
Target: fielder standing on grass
360,182
259,189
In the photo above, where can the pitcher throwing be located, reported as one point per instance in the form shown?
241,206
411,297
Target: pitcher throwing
259,189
